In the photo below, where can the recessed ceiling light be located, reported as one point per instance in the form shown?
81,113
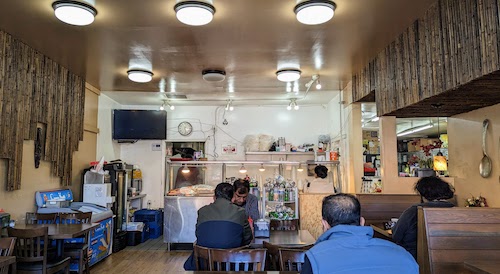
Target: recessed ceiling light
288,75
194,13
139,75
74,12
213,75
315,12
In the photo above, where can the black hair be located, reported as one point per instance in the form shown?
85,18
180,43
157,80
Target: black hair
321,171
241,186
433,188
224,190
341,209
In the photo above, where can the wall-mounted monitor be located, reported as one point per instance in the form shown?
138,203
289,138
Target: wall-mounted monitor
139,125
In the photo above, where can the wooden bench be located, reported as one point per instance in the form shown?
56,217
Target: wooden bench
447,237
379,208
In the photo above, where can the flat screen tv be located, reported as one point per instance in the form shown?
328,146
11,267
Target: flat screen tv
139,124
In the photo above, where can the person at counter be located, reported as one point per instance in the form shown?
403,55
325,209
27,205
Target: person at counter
221,224
347,246
320,184
243,198
435,193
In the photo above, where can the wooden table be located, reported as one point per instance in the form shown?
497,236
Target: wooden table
229,272
61,232
286,238
379,228
483,266
8,260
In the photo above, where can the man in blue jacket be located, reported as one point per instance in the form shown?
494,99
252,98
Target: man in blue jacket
221,224
347,246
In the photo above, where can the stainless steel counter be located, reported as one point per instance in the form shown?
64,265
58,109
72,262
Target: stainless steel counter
180,214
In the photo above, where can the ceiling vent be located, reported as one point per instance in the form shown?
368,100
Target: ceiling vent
213,75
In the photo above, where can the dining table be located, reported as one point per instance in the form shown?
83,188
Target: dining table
8,261
61,232
286,238
380,232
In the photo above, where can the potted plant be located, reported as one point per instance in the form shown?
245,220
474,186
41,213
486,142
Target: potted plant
425,167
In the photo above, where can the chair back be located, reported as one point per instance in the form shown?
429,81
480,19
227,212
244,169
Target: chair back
7,246
75,218
202,258
273,256
291,259
238,259
284,224
29,247
45,218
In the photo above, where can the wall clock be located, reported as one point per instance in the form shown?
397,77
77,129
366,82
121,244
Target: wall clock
185,128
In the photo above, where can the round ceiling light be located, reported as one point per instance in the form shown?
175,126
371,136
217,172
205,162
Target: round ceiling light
194,13
213,75
74,12
315,12
288,75
139,75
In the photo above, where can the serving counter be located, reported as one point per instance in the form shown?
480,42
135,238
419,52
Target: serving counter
180,214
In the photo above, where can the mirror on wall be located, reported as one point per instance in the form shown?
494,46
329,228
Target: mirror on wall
422,146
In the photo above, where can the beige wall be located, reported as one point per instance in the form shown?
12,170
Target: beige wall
465,153
18,202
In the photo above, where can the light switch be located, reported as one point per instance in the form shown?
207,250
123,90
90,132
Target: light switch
156,147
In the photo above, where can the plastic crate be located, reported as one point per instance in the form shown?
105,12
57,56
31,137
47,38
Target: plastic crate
134,238
155,231
149,216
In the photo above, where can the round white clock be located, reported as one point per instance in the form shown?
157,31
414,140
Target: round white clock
185,128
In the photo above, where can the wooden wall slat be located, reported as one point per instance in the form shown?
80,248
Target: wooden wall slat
34,89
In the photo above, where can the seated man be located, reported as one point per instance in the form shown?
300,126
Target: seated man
242,197
347,246
221,224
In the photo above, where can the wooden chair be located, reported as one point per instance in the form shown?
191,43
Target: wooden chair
238,259
291,259
284,224
202,258
77,248
7,249
30,252
45,218
273,256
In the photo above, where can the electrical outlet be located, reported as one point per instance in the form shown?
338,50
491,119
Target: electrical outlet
156,147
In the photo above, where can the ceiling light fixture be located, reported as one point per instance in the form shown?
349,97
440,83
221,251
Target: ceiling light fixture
194,13
415,129
74,12
300,169
293,104
140,75
170,106
262,168
213,75
243,169
185,169
315,12
288,75
318,85
162,106
314,78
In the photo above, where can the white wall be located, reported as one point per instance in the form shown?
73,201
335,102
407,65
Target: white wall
298,127
105,146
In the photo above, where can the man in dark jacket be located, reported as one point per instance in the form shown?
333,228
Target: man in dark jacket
221,224
349,247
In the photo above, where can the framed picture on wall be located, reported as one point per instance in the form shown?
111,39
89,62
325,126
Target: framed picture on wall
229,149
310,169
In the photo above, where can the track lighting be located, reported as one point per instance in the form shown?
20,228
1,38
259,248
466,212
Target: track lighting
318,85
162,106
314,78
243,169
293,104
229,105
172,107
262,168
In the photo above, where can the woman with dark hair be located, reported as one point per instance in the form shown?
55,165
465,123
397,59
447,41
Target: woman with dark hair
434,192
320,184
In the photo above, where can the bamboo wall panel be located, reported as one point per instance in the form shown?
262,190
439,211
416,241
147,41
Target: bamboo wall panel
451,46
34,89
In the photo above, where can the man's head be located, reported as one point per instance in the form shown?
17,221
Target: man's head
241,188
321,171
341,209
433,189
223,190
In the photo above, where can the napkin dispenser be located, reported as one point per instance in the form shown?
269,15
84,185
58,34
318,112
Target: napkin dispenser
262,228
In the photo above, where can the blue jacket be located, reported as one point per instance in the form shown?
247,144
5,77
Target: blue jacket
352,249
